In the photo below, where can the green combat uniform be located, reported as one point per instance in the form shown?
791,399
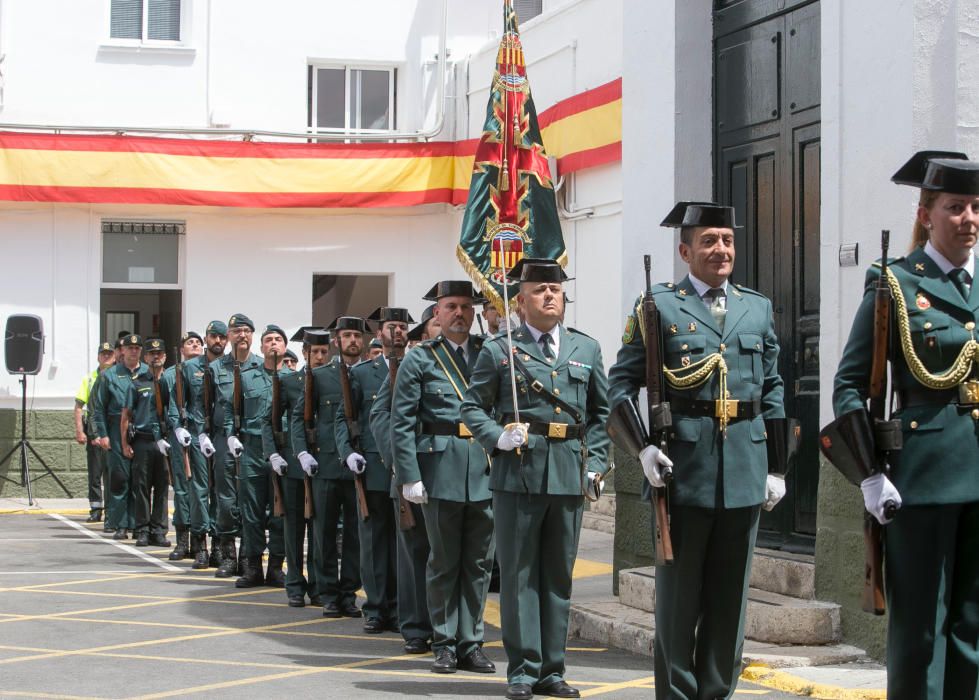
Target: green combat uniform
333,497
931,567
227,517
109,398
181,485
719,481
538,493
95,455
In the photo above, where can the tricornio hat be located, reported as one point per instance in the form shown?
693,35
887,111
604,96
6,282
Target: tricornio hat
427,315
383,314
694,214
940,171
301,333
217,328
132,341
240,320
453,288
154,345
349,323
537,270
316,336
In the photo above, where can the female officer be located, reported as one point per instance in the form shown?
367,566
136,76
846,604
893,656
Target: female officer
932,545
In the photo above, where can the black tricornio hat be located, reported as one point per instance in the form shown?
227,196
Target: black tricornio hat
537,270
391,313
348,323
154,345
131,341
427,315
316,336
301,333
693,214
940,171
453,288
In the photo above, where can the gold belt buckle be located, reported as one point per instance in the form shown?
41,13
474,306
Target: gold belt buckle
969,392
464,431
732,408
557,430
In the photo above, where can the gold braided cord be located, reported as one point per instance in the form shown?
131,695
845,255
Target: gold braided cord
954,375
697,374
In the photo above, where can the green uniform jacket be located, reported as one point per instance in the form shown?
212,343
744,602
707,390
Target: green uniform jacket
193,378
380,423
577,375
329,398
750,349
940,459
109,396
366,379
290,390
256,392
452,468
141,400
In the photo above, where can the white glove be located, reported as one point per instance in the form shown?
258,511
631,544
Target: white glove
513,436
183,436
308,463
356,463
594,485
207,447
652,459
877,491
415,492
279,464
234,446
774,491
163,446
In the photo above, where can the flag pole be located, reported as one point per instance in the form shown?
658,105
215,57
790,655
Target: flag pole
505,249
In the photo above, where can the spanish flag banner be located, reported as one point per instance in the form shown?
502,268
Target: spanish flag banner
511,211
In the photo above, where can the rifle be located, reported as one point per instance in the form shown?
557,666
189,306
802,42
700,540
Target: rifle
161,418
237,409
178,395
278,437
406,517
887,434
312,443
353,427
207,400
660,418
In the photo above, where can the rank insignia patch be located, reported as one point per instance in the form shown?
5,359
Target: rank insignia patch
692,327
629,334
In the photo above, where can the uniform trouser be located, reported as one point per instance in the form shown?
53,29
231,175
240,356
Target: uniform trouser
334,499
932,571
460,535
294,531
413,551
226,515
150,488
701,602
255,503
96,472
197,491
181,485
378,558
537,540
119,503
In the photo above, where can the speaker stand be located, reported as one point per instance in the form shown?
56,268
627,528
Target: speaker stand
23,446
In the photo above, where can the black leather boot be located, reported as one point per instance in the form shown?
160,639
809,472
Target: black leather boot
229,558
159,540
198,548
214,561
182,548
252,574
274,576
94,515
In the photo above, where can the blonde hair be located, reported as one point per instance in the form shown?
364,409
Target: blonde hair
919,234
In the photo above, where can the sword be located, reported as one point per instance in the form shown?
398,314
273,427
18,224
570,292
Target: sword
505,245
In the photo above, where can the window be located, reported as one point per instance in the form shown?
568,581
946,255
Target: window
145,20
140,252
527,9
351,98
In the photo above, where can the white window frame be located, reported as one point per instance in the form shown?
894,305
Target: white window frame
180,45
391,69
181,251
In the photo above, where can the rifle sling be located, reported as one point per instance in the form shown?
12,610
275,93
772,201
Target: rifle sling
537,387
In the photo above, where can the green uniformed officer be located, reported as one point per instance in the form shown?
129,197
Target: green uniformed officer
439,465
375,349
296,484
85,433
245,428
143,437
107,405
931,567
193,437
361,455
426,329
333,486
538,489
291,361
412,549
722,335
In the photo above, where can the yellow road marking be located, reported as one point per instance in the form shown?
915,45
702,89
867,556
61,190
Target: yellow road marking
123,577
491,614
644,682
16,694
585,568
786,682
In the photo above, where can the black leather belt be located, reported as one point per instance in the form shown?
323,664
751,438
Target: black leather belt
552,431
736,410
965,394
144,437
446,428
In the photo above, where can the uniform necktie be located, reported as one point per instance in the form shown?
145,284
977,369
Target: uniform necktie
545,346
461,361
960,276
715,303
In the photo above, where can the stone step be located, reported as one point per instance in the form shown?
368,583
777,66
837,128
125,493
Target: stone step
784,572
604,505
771,617
599,522
616,625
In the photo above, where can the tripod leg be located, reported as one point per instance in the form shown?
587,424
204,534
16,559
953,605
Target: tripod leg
46,468
25,475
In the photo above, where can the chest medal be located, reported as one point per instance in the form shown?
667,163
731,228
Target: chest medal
922,302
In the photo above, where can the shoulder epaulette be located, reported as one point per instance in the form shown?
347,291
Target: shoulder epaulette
430,342
577,332
890,261
749,290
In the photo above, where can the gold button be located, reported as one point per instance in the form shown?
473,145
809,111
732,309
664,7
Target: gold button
557,392
429,449
928,325
373,396
684,346
554,373
975,413
557,409
970,325
914,425
765,434
723,347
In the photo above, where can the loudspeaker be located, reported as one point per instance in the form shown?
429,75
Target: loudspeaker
24,344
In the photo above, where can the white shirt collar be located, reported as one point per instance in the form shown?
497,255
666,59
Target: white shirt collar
943,263
702,287
555,334
464,346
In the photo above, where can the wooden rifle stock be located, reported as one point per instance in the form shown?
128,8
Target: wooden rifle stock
353,428
660,419
278,503
178,396
406,516
161,418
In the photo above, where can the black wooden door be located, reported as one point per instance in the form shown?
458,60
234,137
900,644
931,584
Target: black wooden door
766,145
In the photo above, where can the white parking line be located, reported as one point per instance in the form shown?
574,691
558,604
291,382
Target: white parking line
124,547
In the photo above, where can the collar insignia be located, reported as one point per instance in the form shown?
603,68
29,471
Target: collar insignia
692,327
920,267
682,292
673,328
